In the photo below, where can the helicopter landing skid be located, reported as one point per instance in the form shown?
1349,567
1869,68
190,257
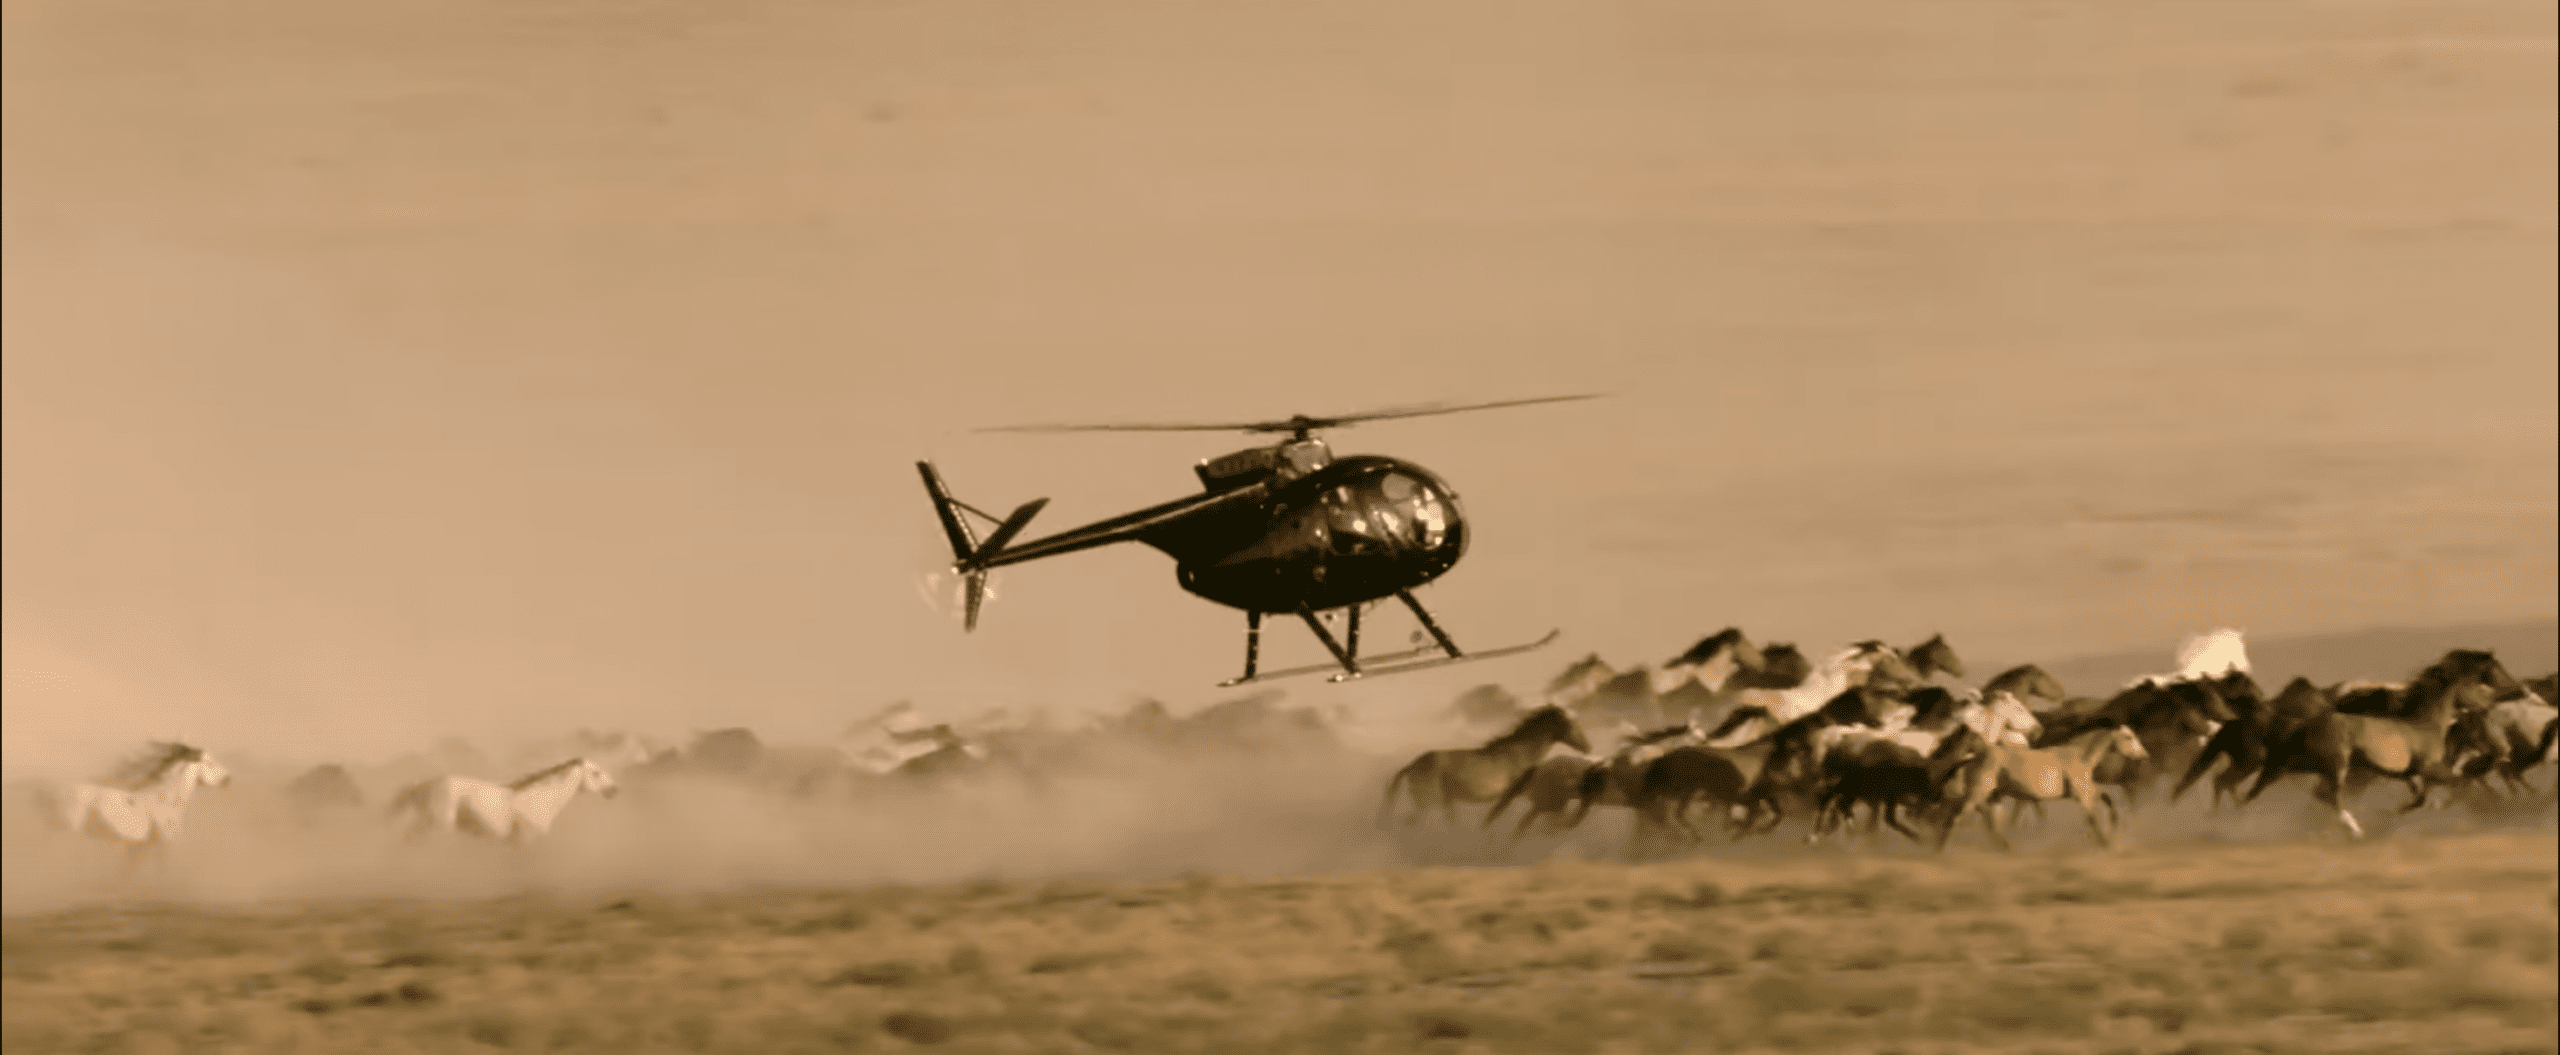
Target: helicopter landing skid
1394,662
1347,654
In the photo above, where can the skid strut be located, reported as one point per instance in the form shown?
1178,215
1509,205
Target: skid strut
1436,633
1252,642
1346,653
1349,664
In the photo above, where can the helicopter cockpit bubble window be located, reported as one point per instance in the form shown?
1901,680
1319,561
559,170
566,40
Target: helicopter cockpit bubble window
1392,509
1412,511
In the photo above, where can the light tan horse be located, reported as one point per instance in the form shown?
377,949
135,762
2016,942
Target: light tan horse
1480,774
514,811
145,805
1991,771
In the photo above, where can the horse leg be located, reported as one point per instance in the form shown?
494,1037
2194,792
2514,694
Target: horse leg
2327,793
1526,819
1892,817
2417,782
2087,796
1822,823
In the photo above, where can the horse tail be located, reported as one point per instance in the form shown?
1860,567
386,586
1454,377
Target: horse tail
2542,747
1509,793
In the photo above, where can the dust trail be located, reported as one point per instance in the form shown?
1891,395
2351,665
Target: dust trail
1246,788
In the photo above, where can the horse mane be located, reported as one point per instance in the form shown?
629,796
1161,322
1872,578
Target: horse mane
2238,685
144,766
1547,714
1656,736
1580,669
2437,683
1729,638
1784,661
1930,704
530,779
1738,716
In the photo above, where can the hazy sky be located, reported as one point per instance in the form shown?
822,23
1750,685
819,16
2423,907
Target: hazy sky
378,372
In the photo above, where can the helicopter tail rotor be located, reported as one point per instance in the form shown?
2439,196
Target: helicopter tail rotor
970,556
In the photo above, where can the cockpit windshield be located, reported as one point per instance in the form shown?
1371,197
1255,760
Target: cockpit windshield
1392,509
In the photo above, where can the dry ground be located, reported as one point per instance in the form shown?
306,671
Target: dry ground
2439,945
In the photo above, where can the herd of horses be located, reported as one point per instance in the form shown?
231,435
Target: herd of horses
1767,735
1770,734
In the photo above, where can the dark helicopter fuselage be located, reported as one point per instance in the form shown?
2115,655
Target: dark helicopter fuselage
1290,528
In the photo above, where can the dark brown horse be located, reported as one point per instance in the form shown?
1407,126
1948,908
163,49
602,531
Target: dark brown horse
1717,657
1884,775
1553,786
1726,777
1934,656
1560,782
2331,745
2243,743
1479,774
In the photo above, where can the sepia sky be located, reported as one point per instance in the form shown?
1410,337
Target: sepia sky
380,372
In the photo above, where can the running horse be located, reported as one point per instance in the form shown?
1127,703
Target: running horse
2026,680
1991,770
1479,774
145,803
1934,656
525,806
2409,746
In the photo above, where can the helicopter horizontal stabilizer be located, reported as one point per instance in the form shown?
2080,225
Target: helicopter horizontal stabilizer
1397,662
1005,532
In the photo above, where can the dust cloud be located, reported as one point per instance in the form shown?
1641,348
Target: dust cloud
1255,786
1243,789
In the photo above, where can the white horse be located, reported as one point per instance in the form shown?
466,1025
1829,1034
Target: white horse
896,736
2211,654
1777,707
525,806
152,802
2003,718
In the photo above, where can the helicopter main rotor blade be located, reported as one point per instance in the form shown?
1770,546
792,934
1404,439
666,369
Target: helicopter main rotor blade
1299,423
1427,409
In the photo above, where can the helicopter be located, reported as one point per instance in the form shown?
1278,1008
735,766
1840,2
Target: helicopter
1287,529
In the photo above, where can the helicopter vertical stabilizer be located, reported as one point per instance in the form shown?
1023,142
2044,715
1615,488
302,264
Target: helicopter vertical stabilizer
964,542
969,556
